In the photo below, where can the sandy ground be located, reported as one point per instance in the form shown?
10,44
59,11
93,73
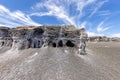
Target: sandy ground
101,63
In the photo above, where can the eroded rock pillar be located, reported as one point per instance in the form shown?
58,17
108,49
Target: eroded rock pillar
83,39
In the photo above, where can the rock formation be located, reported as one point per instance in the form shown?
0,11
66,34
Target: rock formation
41,36
99,39
103,39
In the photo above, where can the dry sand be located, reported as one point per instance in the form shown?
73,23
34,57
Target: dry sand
101,63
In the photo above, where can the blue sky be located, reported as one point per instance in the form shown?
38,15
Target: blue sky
98,17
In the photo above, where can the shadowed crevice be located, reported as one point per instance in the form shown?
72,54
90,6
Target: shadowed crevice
69,44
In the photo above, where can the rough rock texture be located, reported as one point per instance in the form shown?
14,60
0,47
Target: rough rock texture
103,39
99,39
40,36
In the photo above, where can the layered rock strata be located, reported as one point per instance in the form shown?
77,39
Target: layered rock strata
41,36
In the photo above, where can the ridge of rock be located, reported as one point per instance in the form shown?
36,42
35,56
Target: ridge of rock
38,36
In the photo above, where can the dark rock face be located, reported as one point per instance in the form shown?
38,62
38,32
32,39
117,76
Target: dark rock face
41,36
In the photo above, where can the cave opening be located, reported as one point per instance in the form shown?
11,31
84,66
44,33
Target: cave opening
29,42
54,44
60,43
39,44
2,44
70,44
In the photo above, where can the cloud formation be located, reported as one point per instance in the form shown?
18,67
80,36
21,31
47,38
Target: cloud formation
116,35
90,34
97,7
101,28
16,18
69,11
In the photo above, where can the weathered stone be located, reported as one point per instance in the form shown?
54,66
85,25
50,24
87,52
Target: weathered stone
41,36
103,39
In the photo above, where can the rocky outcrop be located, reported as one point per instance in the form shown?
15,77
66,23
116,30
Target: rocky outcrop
103,39
115,39
99,39
41,36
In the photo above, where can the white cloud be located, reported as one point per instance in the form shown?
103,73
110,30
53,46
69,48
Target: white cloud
104,13
90,34
116,35
97,7
58,8
101,28
81,4
16,18
61,10
83,25
54,8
